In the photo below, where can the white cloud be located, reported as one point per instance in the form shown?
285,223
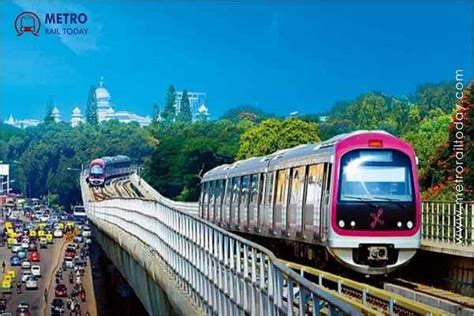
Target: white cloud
78,44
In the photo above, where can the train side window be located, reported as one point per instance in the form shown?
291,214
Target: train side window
227,200
219,196
252,215
312,207
244,201
261,200
212,200
235,201
205,200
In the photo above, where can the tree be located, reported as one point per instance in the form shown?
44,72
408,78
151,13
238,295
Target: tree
272,135
169,113
48,117
156,113
185,114
91,108
245,112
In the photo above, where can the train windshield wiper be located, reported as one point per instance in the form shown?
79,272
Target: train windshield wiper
396,201
367,201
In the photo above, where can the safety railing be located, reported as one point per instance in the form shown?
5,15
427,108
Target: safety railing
448,222
224,273
372,300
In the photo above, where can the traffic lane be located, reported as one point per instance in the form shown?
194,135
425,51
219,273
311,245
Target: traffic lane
89,304
35,298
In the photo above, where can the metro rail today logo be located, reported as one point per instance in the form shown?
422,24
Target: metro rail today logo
55,24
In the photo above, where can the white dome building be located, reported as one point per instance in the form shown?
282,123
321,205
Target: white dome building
103,101
76,117
56,115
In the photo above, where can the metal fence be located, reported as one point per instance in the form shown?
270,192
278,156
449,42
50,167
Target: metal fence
448,222
221,272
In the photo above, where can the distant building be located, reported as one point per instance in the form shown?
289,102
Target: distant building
196,99
21,123
203,113
76,117
56,115
106,112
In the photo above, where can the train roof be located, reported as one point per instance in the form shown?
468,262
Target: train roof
112,159
285,158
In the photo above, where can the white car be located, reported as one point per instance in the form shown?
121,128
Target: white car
88,241
25,243
58,233
26,274
44,218
16,248
68,263
36,270
86,232
31,283
26,264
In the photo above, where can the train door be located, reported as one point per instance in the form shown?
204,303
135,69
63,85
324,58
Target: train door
267,224
218,202
326,198
253,201
261,201
296,200
281,198
312,207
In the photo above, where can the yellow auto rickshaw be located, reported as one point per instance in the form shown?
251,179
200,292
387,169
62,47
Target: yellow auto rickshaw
42,226
49,238
41,233
6,286
32,233
11,242
11,273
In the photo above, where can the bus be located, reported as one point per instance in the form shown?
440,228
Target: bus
79,212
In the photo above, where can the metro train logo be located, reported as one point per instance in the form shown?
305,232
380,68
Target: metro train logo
376,218
27,22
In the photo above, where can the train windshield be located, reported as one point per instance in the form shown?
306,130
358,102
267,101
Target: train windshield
375,175
96,170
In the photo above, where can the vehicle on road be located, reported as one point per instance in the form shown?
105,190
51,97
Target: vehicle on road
49,238
35,256
78,239
3,305
44,218
11,273
15,261
57,307
25,243
86,231
31,283
36,270
32,233
16,247
11,242
26,274
58,233
88,241
43,243
68,263
6,286
23,309
21,254
26,264
60,290
32,246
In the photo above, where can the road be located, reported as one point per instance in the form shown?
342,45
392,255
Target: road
50,261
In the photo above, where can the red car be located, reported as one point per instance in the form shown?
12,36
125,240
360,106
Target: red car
60,290
70,253
34,256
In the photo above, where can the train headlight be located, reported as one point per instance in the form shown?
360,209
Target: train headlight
341,223
353,224
410,224
399,224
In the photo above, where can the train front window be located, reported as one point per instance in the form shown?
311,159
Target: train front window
96,170
376,175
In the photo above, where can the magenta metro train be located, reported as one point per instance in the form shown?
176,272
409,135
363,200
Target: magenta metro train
354,196
103,169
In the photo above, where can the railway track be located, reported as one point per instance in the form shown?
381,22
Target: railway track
378,301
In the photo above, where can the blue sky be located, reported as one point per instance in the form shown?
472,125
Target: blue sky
282,56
